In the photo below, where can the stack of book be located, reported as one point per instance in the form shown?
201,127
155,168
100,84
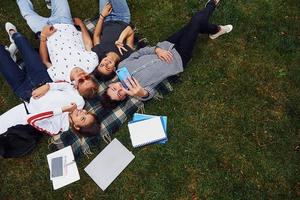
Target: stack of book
147,129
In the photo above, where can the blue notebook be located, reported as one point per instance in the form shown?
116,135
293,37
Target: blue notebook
139,117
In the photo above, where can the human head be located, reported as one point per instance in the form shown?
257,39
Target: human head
85,84
102,77
84,123
116,91
112,96
107,65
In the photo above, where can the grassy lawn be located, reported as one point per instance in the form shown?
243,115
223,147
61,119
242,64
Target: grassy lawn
233,122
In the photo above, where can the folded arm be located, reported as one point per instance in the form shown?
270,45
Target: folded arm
135,89
50,121
40,121
127,37
141,52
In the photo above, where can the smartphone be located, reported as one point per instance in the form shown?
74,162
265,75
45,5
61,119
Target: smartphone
123,74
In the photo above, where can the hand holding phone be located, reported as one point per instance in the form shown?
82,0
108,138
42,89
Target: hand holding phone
123,75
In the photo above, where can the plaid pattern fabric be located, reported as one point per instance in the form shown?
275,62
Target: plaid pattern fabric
111,120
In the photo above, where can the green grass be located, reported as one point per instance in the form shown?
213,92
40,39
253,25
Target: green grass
233,122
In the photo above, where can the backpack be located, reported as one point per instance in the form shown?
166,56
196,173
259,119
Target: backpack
18,141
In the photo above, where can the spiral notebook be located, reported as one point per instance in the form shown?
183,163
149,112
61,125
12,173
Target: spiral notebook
164,119
146,131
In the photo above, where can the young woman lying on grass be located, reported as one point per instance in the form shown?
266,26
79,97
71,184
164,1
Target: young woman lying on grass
113,37
52,107
151,65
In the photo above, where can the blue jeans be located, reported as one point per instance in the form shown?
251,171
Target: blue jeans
34,73
60,14
120,10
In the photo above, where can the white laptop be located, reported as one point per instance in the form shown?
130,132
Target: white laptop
109,163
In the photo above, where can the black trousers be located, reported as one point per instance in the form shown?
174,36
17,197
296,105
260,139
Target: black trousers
185,39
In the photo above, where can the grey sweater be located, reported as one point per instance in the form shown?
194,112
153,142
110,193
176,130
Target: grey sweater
149,70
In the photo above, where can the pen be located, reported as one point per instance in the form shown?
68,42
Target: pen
70,163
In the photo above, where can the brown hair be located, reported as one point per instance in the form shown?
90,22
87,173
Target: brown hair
107,102
102,77
90,92
90,130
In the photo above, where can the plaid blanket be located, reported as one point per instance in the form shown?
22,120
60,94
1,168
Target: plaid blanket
111,120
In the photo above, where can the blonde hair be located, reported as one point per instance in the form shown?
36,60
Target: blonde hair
90,92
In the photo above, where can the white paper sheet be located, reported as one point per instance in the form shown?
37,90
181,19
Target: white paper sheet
72,173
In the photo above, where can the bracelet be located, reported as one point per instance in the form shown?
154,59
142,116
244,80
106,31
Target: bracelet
43,36
102,16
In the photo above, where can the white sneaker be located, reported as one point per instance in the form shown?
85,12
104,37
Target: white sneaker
223,30
13,49
48,4
9,26
216,2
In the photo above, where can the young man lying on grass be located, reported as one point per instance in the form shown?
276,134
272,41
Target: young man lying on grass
69,50
151,65
49,107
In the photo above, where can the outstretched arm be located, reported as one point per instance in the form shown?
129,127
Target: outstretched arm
85,34
97,34
46,32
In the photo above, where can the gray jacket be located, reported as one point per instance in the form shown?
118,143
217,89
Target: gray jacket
149,70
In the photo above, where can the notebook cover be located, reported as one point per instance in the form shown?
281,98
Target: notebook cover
109,163
139,117
146,131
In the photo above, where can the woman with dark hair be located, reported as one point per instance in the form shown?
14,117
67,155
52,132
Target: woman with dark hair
113,36
151,65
